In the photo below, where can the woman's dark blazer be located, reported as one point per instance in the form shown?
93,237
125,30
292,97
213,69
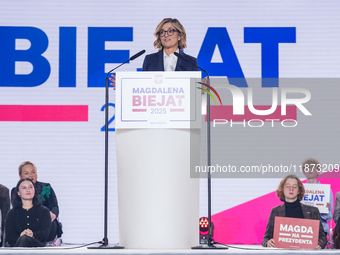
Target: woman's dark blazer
155,62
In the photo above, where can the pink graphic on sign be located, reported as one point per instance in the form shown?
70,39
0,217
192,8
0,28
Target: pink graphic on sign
246,223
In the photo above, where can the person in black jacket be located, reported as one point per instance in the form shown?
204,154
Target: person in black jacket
28,224
4,208
291,191
47,196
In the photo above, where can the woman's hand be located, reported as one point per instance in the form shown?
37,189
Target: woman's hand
318,247
23,232
53,216
204,80
27,232
328,206
113,81
271,243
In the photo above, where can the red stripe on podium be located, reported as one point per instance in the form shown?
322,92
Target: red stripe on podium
139,110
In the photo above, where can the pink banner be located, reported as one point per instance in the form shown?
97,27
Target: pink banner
226,112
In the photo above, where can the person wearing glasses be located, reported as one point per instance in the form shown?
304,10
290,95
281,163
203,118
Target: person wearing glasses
170,37
291,191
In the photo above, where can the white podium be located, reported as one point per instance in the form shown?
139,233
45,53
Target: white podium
158,138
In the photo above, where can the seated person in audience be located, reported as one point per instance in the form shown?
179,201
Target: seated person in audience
4,208
291,192
28,223
49,199
336,218
336,215
311,169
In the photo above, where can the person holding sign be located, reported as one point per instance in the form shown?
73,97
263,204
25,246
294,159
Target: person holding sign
311,169
291,192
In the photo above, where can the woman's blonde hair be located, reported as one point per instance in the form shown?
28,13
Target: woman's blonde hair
25,163
182,43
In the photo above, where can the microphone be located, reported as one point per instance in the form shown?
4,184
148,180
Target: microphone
105,240
130,59
184,58
208,79
137,55
187,60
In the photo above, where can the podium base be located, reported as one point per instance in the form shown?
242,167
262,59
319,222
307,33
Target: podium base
104,247
212,247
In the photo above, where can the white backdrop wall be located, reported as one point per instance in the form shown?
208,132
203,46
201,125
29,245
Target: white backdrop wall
82,39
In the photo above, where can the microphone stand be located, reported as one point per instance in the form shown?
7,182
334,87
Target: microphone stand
105,241
210,241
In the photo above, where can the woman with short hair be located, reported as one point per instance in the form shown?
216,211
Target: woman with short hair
170,37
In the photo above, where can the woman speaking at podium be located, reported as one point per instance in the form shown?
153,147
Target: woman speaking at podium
171,37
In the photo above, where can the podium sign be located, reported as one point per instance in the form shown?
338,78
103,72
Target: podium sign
293,233
317,195
158,131
158,100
